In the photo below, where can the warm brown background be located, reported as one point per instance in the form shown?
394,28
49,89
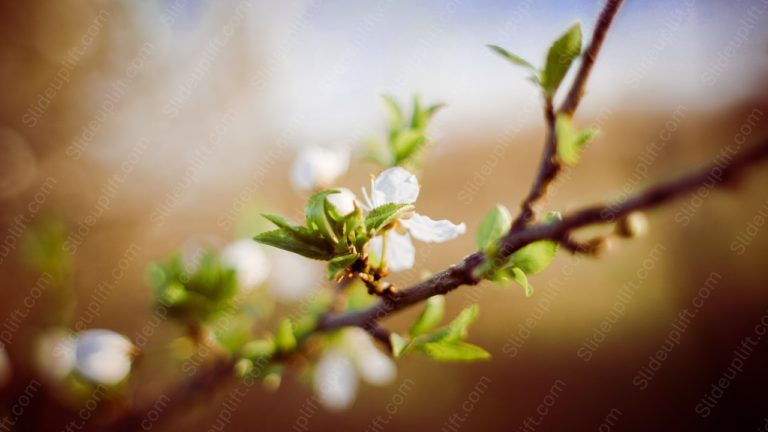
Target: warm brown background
255,152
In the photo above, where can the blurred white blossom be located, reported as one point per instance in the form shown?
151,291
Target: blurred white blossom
398,186
103,356
335,380
55,353
318,167
353,356
250,262
293,277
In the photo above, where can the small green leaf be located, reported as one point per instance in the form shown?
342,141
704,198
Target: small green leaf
258,348
398,344
560,57
570,140
445,343
454,351
494,225
284,239
432,110
383,215
285,339
279,221
514,58
339,264
520,277
394,113
418,118
317,216
300,232
455,330
534,257
407,143
430,317
243,367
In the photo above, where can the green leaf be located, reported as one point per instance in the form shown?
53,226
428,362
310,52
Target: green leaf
520,277
514,58
560,57
406,144
399,345
258,348
285,339
383,215
454,351
534,257
339,264
570,140
279,221
494,225
430,317
317,216
455,330
418,118
394,113
433,109
298,231
287,240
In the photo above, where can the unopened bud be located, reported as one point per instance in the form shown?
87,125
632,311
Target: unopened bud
632,225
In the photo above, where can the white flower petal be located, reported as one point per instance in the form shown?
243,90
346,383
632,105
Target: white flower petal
103,356
395,186
55,354
401,254
373,366
250,262
376,368
293,277
427,230
343,202
335,380
318,167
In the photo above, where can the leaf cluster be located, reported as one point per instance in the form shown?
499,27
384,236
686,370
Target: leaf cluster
329,236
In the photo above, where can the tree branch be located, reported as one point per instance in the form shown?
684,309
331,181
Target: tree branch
462,273
590,55
550,166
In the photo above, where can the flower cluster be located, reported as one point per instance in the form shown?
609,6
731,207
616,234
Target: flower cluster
98,356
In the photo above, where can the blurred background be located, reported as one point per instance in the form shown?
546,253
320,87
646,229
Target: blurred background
149,127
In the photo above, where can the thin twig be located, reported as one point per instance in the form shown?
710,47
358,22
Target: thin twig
590,55
549,166
380,334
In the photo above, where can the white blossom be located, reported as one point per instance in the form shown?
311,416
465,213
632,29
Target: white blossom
318,167
250,262
55,353
373,366
103,356
343,201
337,373
293,277
335,380
398,186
